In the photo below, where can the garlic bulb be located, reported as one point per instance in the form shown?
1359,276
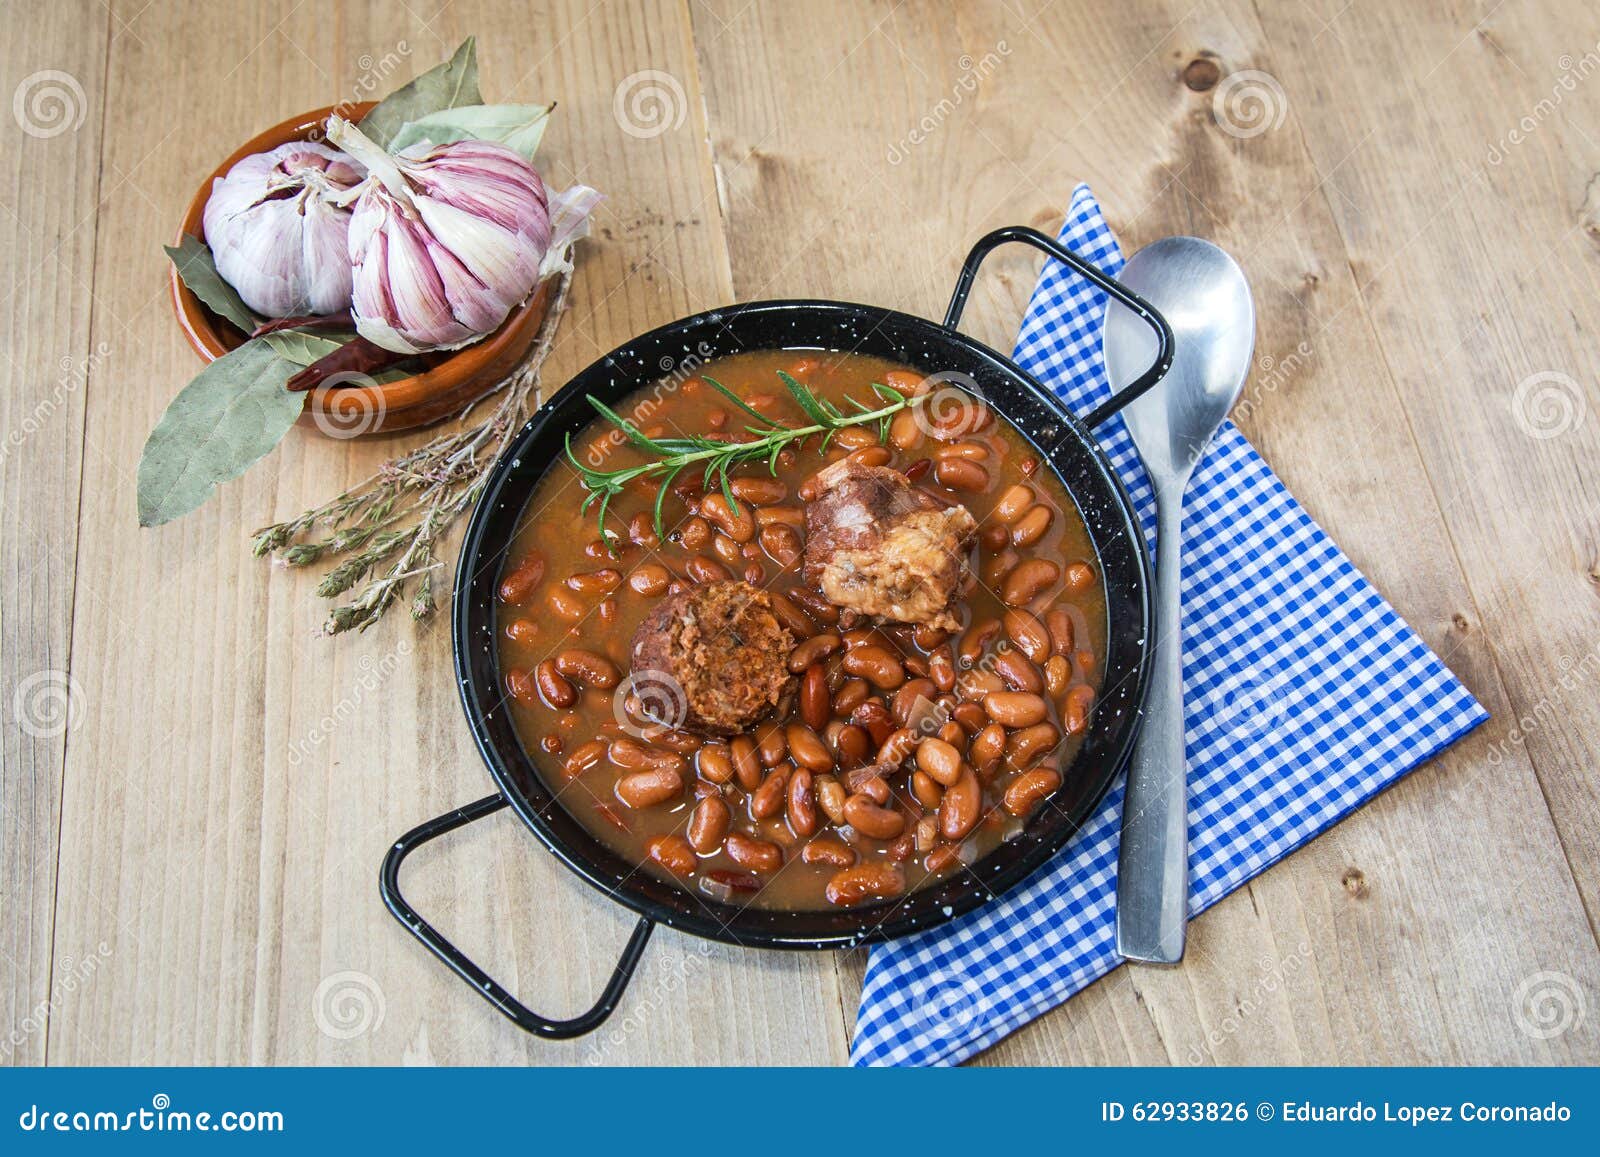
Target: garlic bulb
278,231
446,240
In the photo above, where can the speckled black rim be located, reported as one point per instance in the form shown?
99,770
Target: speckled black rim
806,325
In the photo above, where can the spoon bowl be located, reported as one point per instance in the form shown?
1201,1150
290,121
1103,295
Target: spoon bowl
1202,293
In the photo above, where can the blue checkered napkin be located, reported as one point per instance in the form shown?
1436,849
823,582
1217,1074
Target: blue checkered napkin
1306,695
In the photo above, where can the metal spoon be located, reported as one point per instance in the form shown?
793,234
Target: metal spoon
1203,295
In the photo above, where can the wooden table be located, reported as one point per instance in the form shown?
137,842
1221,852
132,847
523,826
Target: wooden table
1414,197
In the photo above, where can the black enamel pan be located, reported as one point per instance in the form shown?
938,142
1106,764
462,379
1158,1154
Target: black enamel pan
1065,442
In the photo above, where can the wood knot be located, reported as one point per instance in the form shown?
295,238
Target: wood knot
1201,74
1355,883
1459,620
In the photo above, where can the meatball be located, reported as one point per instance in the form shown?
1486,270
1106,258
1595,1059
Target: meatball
721,652
877,545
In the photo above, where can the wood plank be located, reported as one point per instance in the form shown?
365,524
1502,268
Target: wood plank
53,70
1410,954
227,831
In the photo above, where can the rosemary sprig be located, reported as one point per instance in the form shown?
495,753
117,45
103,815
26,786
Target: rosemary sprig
717,458
389,525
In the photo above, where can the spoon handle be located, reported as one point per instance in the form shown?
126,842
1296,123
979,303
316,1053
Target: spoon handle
1153,861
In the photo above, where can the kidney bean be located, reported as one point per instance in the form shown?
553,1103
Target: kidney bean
1029,633
806,749
900,850
584,757
607,611
977,638
904,432
852,693
746,765
1025,747
1057,674
1034,525
739,525
961,807
594,582
794,516
940,760
721,884
782,544
523,631
1028,789
588,668
714,763
874,716
970,451
797,622
708,825
961,475
649,578
827,850
926,790
767,800
758,491
674,854
942,668
1018,673
802,804
994,570
757,855
871,819
643,789
1079,579
1085,664
564,604
1014,503
815,707
1059,623
917,469
694,534
1028,580
869,782
820,609
866,455
771,746
519,685
830,797
953,734
977,684
993,537
905,700
1075,709
853,745
1016,708
704,569
897,747
812,650
557,692
727,550
876,881
972,717
635,756
519,583
877,665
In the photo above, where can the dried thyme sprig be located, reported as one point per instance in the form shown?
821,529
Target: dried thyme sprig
674,455
389,525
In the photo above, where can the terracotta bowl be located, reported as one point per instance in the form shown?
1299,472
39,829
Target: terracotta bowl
447,383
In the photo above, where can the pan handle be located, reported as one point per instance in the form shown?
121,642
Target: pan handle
1091,272
508,1005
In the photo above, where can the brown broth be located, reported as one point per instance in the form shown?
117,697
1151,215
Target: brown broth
550,616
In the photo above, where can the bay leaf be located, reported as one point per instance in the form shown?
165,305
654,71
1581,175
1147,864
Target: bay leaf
198,271
519,127
232,413
449,85
303,347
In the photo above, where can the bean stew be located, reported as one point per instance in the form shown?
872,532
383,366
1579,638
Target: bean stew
825,677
